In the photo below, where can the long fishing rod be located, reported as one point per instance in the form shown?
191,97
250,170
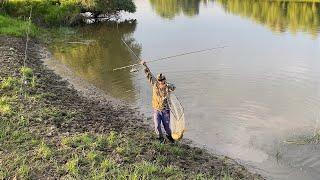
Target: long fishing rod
130,49
168,57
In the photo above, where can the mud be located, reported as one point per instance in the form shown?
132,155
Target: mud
99,113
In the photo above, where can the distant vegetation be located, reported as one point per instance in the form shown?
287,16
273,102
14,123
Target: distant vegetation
171,8
63,12
279,16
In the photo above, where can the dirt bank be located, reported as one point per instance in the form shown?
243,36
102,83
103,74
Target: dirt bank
57,112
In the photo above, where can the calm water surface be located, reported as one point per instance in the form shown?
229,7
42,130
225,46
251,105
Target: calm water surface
245,101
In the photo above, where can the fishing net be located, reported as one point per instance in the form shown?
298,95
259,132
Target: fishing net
177,120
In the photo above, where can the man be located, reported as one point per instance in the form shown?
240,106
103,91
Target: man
160,96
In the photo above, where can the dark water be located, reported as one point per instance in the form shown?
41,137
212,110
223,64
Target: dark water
245,101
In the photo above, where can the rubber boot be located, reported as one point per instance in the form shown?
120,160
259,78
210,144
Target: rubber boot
161,139
170,139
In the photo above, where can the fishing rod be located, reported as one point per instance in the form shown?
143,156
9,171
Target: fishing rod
130,49
168,57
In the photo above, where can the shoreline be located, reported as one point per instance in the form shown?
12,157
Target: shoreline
96,113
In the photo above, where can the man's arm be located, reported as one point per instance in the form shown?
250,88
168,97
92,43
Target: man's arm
150,77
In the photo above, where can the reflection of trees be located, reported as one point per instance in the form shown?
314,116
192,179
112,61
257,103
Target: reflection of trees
171,8
95,61
278,15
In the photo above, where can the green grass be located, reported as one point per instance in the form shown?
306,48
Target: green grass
72,166
30,153
26,72
8,83
23,171
14,27
49,13
306,139
175,150
44,12
44,151
5,107
226,176
170,170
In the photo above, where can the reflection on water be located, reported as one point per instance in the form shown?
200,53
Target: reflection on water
97,52
171,8
279,16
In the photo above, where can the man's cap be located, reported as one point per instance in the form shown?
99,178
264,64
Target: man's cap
161,77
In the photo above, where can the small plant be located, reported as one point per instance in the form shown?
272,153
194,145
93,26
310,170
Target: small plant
33,82
5,107
26,72
145,169
79,141
176,151
159,146
120,150
226,176
102,142
161,159
23,171
150,168
44,151
315,139
23,121
169,170
92,156
72,166
200,176
8,83
106,164
97,174
112,138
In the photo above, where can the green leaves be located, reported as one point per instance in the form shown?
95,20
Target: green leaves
59,12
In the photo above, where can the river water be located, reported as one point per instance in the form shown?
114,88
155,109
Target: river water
257,100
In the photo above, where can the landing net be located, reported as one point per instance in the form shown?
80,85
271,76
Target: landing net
177,119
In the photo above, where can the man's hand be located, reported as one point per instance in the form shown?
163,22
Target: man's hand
143,62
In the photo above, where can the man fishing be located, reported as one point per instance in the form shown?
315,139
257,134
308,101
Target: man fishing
160,96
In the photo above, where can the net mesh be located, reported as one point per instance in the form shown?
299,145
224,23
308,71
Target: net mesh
177,119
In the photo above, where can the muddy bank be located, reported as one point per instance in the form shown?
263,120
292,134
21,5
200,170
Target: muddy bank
94,113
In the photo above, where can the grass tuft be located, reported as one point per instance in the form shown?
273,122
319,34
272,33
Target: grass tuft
106,164
169,170
8,83
112,138
14,27
72,166
23,171
26,72
176,151
44,151
5,107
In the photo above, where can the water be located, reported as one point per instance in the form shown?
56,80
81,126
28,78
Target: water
243,101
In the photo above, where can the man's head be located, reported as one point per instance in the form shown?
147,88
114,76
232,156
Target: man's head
161,78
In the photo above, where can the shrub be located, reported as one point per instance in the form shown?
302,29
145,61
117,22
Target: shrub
14,27
63,12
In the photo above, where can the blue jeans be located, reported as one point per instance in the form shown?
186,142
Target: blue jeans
164,118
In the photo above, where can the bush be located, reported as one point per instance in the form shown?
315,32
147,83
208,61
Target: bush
14,27
62,12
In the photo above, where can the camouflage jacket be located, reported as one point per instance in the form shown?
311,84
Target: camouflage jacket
160,96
